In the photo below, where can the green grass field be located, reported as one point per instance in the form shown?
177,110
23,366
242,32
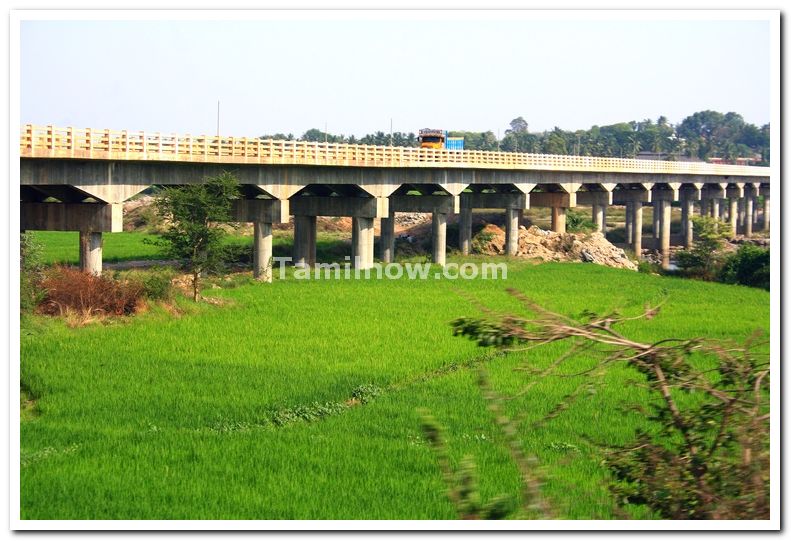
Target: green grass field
239,411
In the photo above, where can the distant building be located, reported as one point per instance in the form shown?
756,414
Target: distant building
648,155
748,160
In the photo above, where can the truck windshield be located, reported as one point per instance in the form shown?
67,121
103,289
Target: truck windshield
432,139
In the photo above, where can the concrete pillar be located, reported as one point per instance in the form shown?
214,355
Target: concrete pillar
637,229
687,212
310,251
387,240
511,231
664,232
465,230
657,224
599,217
629,220
755,211
733,216
304,241
715,209
748,216
741,215
766,214
558,219
439,222
262,251
91,252
363,243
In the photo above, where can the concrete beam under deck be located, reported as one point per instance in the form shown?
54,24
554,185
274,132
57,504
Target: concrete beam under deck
97,217
271,211
355,207
518,201
444,204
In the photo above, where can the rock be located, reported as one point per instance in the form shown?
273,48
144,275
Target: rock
545,245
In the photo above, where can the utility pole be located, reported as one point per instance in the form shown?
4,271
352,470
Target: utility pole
218,118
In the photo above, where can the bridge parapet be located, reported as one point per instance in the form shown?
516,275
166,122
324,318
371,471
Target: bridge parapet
105,144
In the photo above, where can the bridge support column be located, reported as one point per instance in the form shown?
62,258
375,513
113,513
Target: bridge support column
765,225
91,252
465,230
629,217
748,216
599,218
558,224
657,223
637,229
715,209
362,243
387,239
687,212
733,215
511,231
304,241
262,251
755,212
664,232
439,222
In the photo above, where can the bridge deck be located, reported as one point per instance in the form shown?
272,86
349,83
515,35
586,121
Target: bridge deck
105,144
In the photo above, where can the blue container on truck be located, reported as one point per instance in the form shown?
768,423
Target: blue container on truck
454,143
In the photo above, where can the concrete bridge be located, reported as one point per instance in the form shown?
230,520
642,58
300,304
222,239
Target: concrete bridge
77,179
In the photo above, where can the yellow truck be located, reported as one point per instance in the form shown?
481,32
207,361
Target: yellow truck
430,138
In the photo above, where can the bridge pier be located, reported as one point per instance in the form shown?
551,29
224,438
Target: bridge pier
91,252
304,249
748,215
262,251
387,239
628,217
657,224
558,220
687,228
765,223
362,242
600,218
733,215
465,230
439,222
511,231
665,209
637,228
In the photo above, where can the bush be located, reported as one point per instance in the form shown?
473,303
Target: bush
88,295
646,267
749,266
30,272
578,222
481,241
157,282
237,254
704,260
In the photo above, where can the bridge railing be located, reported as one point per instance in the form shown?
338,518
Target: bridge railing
105,144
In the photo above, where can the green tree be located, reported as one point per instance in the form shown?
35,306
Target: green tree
518,125
705,258
194,213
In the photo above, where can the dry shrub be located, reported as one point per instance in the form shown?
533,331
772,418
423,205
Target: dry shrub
73,293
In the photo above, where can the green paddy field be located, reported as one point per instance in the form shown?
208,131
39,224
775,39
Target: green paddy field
298,399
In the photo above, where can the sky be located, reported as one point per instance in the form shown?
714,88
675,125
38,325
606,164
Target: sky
355,77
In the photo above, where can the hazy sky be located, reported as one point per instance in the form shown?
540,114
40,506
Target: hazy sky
289,76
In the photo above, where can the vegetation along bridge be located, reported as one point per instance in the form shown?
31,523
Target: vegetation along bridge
77,179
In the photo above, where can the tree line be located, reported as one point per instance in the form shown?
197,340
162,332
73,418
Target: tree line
701,136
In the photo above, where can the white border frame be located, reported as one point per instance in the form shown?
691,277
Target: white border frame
16,18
